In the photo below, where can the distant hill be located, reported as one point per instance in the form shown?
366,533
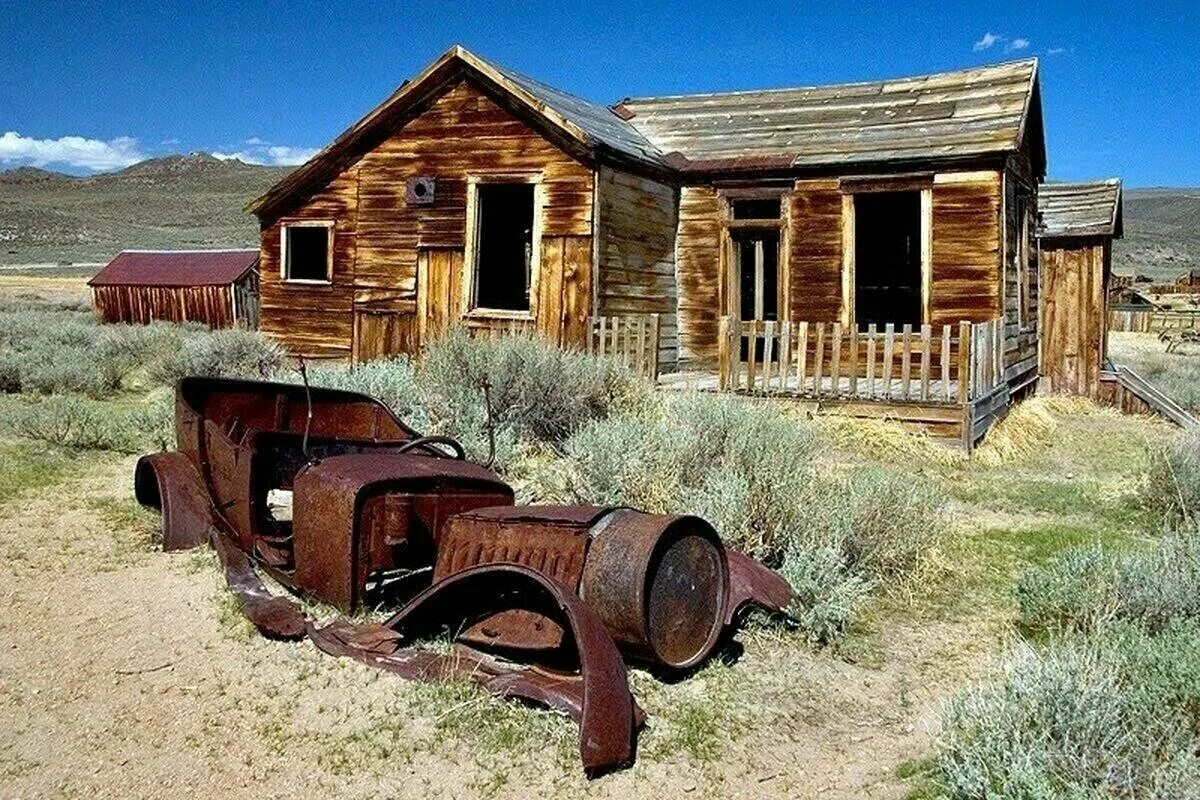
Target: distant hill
1162,233
178,201
196,200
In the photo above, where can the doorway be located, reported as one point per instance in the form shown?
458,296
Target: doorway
756,263
887,259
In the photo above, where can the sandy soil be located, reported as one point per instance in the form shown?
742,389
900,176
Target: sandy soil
125,672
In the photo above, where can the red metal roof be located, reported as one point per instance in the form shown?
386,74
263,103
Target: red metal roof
176,268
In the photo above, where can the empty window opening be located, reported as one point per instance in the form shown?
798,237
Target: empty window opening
755,208
504,245
757,256
306,252
887,259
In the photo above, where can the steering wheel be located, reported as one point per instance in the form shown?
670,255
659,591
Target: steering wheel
427,443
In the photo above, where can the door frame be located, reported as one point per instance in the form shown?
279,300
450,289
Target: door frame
729,283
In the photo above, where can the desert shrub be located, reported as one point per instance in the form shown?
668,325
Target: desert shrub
1088,586
1110,714
75,422
60,369
393,382
516,388
1173,487
10,374
227,353
826,593
153,422
122,350
753,472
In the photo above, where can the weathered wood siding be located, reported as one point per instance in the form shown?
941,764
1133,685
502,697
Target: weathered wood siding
636,253
141,305
1020,338
381,240
1074,320
698,270
815,259
307,319
965,250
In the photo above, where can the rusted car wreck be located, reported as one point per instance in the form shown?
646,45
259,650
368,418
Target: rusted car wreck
544,603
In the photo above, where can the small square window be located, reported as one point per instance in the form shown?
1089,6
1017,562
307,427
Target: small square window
306,253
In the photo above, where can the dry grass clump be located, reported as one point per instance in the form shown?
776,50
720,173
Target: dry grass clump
1028,428
885,441
1176,374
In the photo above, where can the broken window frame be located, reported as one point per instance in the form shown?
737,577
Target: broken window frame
471,251
285,256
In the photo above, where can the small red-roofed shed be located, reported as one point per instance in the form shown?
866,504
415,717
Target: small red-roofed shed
218,288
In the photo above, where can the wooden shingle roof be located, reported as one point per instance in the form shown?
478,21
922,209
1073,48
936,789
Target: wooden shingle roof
952,115
963,113
1081,209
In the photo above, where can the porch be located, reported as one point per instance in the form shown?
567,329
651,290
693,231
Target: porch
948,380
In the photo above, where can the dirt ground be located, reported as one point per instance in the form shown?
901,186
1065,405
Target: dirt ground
128,672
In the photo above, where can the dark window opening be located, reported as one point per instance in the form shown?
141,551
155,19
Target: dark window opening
887,259
755,209
307,257
504,246
758,280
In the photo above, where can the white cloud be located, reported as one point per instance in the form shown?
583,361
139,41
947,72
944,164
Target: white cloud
1018,44
274,155
291,155
986,41
254,140
1054,51
73,151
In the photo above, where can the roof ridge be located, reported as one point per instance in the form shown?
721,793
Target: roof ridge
197,250
1031,62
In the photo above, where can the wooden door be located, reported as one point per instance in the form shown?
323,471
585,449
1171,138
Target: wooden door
381,333
439,291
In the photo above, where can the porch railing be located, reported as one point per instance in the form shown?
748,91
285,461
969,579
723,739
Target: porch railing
943,364
633,339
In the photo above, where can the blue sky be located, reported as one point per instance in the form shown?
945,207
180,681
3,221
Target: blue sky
88,86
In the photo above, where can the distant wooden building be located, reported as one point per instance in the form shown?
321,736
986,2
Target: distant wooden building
218,288
1078,224
1189,280
474,195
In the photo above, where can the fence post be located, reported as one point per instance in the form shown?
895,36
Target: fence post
964,361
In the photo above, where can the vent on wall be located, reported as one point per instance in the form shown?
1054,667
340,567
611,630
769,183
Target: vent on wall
420,191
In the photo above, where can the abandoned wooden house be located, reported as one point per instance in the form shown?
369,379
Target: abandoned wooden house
868,245
1078,224
218,288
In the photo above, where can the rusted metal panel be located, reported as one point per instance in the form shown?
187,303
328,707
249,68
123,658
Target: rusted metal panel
597,695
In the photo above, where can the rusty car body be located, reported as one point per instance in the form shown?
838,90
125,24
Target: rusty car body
544,603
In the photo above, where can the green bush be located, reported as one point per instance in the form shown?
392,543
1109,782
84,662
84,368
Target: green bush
1111,714
1174,485
753,471
393,382
516,388
1088,586
153,422
226,353
53,368
75,422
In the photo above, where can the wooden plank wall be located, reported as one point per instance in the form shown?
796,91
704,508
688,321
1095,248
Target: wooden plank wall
636,253
815,259
698,271
380,237
1073,317
313,320
965,253
140,305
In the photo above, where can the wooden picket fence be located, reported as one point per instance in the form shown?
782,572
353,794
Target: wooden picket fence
633,339
1153,321
942,364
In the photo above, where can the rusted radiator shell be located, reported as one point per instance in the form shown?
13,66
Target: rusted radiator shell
659,583
357,516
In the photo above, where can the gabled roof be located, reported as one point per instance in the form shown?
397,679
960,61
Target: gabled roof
951,115
591,127
1081,209
176,268
963,113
